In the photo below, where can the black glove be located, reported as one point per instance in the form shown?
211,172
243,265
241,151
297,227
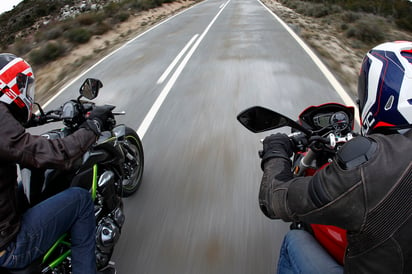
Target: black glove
35,120
98,119
276,146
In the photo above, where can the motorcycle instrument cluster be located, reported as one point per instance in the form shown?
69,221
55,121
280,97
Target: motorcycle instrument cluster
337,120
329,117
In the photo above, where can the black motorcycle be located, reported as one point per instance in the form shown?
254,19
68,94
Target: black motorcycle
111,169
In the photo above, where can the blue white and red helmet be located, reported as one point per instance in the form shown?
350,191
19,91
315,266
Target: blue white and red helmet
385,87
16,86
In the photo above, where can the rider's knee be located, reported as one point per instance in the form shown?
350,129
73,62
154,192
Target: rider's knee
82,195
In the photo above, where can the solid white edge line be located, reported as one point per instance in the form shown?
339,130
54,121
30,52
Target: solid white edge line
326,72
162,96
173,64
113,52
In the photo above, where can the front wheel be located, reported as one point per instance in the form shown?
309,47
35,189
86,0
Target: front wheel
134,163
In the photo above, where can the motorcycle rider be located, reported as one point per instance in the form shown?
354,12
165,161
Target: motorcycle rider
25,236
367,189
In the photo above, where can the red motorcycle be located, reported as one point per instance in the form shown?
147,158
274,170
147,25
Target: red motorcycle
318,134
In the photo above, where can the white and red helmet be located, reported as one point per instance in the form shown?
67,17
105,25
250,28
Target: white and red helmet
16,86
385,87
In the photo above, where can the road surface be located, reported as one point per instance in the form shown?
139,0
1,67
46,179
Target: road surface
182,84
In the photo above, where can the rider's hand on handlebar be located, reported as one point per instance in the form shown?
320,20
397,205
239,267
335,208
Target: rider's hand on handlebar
101,114
299,141
99,119
276,146
35,120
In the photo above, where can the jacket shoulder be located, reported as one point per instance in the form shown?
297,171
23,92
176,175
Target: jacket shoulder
356,152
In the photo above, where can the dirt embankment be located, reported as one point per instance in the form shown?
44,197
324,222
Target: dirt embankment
330,43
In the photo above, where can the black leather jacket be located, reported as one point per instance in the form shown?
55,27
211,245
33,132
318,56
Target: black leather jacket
19,147
371,199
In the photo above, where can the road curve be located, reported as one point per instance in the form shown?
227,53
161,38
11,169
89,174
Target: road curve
197,209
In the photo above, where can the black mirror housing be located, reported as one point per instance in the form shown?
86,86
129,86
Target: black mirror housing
90,88
259,119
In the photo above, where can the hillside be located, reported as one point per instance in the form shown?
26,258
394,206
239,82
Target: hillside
340,37
56,59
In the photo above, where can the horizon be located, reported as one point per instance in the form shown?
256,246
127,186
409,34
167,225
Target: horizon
8,5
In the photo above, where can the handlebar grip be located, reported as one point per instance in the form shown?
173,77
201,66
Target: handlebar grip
53,116
299,141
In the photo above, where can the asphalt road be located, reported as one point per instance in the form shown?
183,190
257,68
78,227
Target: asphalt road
197,209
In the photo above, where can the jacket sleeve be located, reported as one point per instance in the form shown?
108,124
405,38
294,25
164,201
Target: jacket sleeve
319,199
19,146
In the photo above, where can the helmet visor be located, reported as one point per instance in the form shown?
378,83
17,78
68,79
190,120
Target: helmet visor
362,92
26,87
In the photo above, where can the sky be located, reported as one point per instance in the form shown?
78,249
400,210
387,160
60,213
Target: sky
6,5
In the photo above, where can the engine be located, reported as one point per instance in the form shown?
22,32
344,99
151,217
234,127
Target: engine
107,235
109,216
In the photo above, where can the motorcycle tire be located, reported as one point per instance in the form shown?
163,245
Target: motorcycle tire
133,168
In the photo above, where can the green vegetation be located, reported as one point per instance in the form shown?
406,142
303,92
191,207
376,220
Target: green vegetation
78,35
400,11
22,30
367,31
364,22
49,52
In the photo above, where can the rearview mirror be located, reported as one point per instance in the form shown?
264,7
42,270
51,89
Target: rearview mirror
259,119
90,88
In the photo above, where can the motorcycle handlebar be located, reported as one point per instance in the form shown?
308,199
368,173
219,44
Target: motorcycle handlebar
301,141
53,117
56,115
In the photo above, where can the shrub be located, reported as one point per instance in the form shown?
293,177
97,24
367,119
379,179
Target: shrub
100,28
350,16
21,47
290,4
111,9
53,33
146,4
49,52
404,23
344,26
367,31
78,35
87,19
68,24
123,16
119,17
316,10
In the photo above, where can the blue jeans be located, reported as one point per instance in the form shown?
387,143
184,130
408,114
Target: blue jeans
69,211
301,253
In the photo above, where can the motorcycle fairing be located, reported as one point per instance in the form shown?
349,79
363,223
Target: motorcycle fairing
333,239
